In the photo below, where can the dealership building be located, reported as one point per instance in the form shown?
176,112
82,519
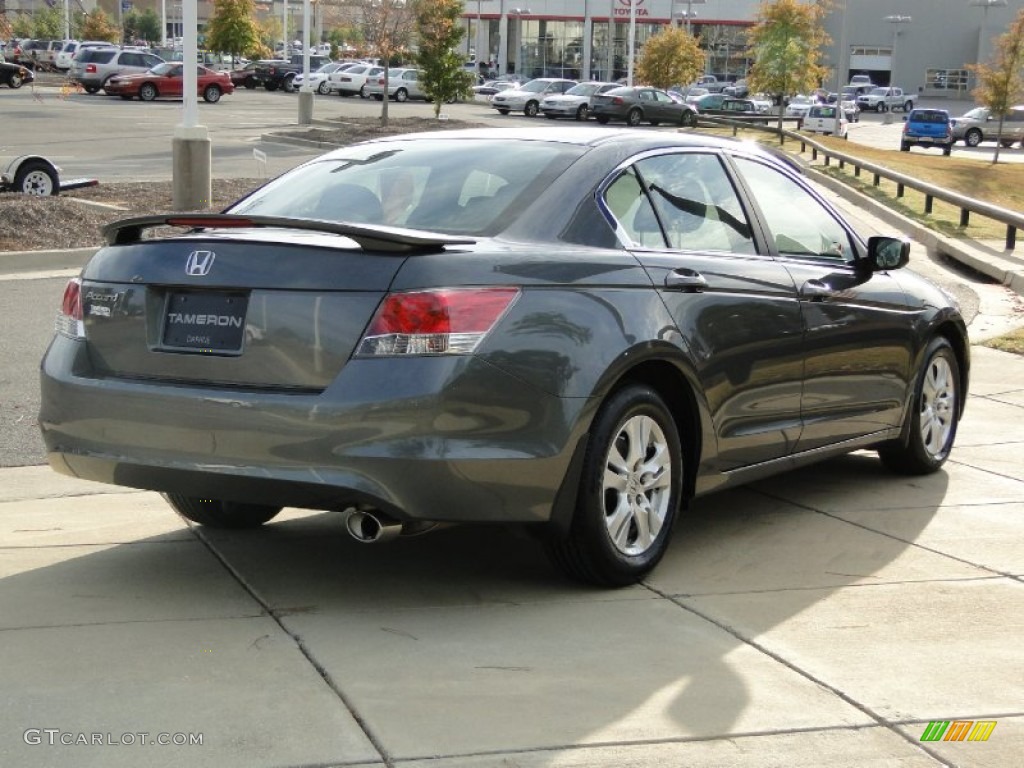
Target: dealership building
920,45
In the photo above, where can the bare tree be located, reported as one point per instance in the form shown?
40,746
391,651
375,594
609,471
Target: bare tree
1000,84
387,27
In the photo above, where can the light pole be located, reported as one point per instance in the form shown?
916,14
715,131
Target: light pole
689,13
896,21
985,5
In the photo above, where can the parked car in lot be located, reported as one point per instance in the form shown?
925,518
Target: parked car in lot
980,125
729,106
402,84
799,106
318,80
351,81
528,96
486,91
574,103
245,76
927,128
641,104
62,61
167,80
92,67
14,75
827,119
576,331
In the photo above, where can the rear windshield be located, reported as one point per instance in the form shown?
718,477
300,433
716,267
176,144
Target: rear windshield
929,117
471,187
96,55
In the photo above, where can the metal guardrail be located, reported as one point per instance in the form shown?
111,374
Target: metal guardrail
1013,220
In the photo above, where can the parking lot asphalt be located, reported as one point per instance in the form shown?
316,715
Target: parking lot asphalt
828,616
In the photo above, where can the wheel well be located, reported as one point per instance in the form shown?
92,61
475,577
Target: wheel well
960,349
669,382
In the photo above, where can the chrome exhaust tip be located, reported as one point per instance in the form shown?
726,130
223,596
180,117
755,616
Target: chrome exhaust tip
369,528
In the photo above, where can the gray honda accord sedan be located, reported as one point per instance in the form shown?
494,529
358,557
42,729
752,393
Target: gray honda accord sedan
575,330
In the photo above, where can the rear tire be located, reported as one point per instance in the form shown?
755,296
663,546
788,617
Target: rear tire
602,119
935,413
629,492
214,513
904,147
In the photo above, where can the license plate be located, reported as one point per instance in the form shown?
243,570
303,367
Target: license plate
925,139
201,321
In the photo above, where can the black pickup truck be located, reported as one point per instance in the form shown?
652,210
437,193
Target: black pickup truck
280,74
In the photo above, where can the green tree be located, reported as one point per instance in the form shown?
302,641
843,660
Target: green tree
439,30
1000,84
98,26
48,24
673,56
232,27
22,26
786,48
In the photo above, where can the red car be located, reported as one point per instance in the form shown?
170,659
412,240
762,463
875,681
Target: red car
166,80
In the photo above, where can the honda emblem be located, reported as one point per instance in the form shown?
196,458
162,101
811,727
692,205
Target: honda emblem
199,263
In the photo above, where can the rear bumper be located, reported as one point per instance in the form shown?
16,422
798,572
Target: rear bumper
445,438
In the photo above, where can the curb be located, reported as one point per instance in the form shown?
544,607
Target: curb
43,261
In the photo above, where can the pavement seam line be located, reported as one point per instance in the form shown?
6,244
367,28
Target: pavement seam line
915,544
778,658
302,647
642,742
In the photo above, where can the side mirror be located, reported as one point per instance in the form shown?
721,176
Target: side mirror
885,253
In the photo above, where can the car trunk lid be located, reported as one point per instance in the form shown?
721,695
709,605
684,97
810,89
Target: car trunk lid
239,302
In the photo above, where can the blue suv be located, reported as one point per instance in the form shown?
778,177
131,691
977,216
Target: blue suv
927,128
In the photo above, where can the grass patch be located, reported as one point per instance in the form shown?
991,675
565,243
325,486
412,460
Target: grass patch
1009,342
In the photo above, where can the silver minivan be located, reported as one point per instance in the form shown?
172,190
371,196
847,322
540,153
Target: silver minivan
92,67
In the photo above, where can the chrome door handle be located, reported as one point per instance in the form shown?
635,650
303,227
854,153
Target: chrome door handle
816,290
686,280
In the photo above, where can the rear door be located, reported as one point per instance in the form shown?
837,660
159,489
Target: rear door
735,307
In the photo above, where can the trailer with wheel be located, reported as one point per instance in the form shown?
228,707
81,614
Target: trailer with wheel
35,175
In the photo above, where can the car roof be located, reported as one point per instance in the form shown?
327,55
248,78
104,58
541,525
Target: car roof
583,136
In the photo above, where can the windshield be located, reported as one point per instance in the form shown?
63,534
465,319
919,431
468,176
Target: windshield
583,89
166,68
535,86
463,187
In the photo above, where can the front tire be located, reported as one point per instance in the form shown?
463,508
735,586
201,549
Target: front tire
15,81
973,137
634,117
322,89
629,493
147,92
688,120
212,94
531,109
934,416
214,513
583,112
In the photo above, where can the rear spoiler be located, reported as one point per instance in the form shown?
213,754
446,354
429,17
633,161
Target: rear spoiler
369,237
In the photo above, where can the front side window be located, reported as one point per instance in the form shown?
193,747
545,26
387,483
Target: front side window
797,222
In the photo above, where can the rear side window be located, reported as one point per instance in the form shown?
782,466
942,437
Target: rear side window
96,55
929,116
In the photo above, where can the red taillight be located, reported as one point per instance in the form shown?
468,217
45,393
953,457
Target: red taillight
69,318
90,68
617,100
450,321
